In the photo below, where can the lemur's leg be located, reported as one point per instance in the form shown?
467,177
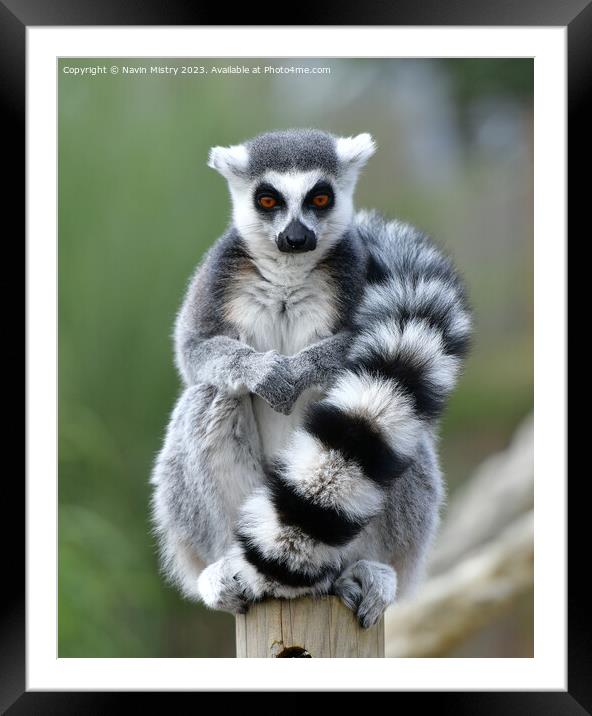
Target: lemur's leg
209,463
211,458
367,588
392,548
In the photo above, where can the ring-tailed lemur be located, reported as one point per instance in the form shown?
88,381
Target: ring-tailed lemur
317,347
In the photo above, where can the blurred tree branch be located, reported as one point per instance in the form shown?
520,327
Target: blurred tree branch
483,560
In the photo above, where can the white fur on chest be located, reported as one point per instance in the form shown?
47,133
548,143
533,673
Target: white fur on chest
282,306
286,308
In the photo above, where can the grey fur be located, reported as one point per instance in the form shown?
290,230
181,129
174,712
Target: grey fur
201,319
211,476
289,149
318,364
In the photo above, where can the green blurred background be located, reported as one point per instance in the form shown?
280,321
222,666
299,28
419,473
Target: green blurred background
138,207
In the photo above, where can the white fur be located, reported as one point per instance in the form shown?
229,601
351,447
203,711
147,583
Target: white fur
326,478
231,569
397,291
259,520
419,344
276,429
460,324
380,401
422,346
355,151
231,162
286,309
209,584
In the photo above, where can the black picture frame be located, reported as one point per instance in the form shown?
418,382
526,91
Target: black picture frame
15,17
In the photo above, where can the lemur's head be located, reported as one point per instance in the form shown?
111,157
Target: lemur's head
292,190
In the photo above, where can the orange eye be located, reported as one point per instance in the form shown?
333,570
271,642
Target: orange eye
321,200
267,202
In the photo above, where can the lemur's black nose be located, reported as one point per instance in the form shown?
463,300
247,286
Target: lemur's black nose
296,242
296,237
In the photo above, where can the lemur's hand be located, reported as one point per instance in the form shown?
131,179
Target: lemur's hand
270,376
317,364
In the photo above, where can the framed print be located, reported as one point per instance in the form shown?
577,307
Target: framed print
127,112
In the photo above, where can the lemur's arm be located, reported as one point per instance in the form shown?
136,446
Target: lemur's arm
207,352
235,367
411,332
319,363
279,380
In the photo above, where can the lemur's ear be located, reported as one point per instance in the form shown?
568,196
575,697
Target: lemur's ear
231,162
354,152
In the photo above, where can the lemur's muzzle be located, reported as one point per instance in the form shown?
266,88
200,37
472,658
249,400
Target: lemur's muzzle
296,238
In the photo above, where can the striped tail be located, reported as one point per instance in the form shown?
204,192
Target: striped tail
411,332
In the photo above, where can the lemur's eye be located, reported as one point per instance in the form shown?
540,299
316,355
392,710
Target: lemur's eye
267,202
321,200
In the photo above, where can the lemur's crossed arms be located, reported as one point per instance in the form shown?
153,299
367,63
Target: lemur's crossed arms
317,347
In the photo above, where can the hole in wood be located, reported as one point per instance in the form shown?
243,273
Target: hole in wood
294,652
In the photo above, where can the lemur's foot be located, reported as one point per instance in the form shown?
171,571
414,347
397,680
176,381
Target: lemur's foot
367,588
220,588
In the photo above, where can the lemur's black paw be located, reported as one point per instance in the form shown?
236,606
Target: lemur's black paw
367,588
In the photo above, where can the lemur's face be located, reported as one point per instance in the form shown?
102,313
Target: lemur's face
295,211
293,191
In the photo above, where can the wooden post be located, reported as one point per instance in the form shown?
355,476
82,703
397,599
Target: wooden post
305,627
